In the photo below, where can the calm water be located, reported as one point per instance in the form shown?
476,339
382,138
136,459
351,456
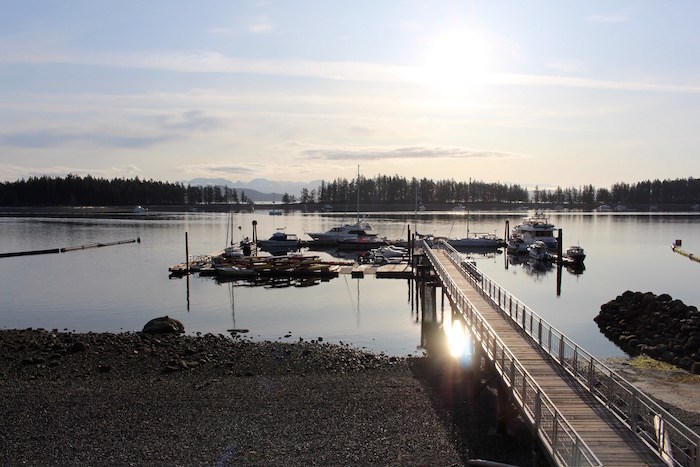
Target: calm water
119,288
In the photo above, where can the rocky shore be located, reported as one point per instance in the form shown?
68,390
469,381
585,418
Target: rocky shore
657,326
135,398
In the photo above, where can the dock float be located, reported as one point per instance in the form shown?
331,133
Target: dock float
690,256
66,249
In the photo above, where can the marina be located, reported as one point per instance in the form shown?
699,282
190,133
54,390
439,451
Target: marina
127,283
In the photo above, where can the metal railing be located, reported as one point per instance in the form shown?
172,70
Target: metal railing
672,440
559,439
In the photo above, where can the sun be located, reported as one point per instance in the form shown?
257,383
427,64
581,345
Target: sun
456,60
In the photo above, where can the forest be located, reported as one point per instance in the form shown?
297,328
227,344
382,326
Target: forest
74,190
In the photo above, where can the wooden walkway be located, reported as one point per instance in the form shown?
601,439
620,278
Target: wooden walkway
612,442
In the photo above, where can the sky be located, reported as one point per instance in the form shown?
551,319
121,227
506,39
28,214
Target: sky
539,93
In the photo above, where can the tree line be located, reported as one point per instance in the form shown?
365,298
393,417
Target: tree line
74,190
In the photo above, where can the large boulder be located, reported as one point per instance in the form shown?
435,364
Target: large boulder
164,325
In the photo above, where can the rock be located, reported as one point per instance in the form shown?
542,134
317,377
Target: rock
695,368
164,325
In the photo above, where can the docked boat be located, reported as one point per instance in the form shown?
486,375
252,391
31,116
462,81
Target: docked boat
345,232
477,240
280,240
360,232
538,251
533,229
575,253
234,271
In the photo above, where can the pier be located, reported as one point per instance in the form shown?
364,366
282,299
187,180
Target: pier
579,411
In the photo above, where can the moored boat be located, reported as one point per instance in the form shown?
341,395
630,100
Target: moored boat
538,251
575,253
280,240
531,230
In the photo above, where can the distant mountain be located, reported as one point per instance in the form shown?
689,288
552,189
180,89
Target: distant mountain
260,189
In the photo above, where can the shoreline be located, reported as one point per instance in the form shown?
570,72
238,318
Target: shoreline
133,398
96,398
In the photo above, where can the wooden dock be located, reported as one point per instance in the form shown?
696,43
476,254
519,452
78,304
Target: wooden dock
597,433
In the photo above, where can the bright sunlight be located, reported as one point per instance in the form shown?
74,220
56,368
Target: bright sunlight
455,61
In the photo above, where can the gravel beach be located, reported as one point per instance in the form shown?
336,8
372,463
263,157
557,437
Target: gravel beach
139,399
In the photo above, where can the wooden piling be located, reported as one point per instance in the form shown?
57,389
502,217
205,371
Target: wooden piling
187,254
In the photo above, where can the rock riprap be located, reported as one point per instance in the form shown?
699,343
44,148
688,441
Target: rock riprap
657,326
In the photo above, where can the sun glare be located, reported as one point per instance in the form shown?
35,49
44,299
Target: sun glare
458,339
455,61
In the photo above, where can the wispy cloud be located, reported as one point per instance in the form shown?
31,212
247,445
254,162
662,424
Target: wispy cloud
261,26
215,62
44,139
619,17
218,169
567,65
409,152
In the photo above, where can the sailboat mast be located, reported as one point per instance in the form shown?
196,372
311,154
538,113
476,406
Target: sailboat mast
358,195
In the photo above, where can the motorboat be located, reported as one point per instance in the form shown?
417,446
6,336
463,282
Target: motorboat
360,232
575,253
234,271
139,210
477,240
531,230
538,251
386,254
345,232
275,212
280,240
360,242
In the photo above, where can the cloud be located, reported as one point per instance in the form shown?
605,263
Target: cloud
190,120
410,152
261,26
44,139
215,169
620,17
567,65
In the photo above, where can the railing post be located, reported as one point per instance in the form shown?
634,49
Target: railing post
555,428
561,349
510,307
538,410
539,332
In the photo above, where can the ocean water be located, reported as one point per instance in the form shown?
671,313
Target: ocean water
119,288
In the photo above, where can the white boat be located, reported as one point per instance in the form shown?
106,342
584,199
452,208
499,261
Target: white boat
234,271
345,232
538,251
280,240
575,253
533,229
361,231
477,240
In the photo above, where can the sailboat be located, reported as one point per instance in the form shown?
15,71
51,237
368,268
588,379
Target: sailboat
357,235
476,240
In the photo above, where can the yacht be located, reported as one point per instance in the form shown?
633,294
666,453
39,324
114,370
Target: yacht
531,230
280,240
477,240
360,231
345,232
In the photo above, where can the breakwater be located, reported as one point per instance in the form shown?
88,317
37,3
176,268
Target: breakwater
657,326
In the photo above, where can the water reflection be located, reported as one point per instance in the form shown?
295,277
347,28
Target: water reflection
464,389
